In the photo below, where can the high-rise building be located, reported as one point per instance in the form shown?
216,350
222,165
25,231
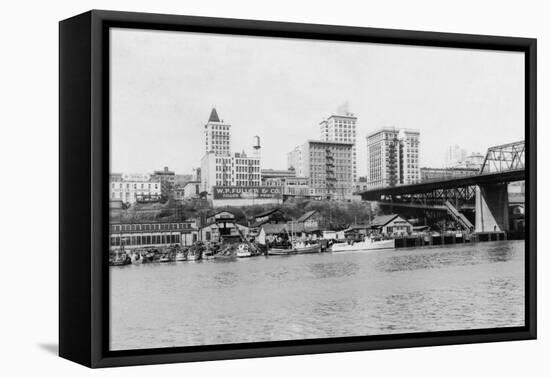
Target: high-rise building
393,157
219,166
217,135
454,155
327,164
340,127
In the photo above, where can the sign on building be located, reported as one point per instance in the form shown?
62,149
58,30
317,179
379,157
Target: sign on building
247,192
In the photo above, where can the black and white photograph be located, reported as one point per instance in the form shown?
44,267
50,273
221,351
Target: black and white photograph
274,189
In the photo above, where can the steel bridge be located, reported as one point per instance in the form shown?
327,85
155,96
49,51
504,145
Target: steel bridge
502,164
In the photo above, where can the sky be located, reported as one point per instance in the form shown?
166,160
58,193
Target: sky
164,85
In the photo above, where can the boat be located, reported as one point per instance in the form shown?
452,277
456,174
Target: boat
194,256
147,257
208,254
135,257
165,258
180,256
368,244
243,250
302,248
121,258
281,251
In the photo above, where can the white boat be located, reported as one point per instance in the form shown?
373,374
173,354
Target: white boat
180,256
368,244
193,256
243,251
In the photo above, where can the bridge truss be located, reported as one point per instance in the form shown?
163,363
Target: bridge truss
505,157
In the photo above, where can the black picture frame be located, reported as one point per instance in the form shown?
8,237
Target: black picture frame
83,178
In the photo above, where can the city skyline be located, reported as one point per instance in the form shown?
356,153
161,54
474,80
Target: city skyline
279,89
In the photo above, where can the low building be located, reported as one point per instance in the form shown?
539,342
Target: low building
222,226
312,220
132,188
391,225
286,179
357,231
436,174
271,216
189,190
152,234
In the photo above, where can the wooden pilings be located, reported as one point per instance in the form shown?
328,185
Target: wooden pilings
444,239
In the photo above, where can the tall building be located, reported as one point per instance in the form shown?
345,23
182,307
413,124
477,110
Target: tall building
340,127
219,166
454,155
217,135
328,165
393,157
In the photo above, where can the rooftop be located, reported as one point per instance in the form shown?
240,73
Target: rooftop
382,220
306,216
214,116
329,142
393,129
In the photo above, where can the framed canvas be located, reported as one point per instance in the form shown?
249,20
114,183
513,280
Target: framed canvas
235,188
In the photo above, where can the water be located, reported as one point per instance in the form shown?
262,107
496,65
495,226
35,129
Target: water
319,295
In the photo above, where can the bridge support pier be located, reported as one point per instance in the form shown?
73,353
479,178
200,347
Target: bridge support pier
492,208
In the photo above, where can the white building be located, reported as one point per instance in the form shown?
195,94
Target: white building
130,188
189,190
393,157
217,135
236,170
341,127
328,165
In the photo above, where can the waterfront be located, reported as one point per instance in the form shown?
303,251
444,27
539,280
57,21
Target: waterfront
453,287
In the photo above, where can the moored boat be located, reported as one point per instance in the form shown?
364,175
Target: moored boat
121,258
302,248
367,244
165,258
208,254
243,250
194,256
180,256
